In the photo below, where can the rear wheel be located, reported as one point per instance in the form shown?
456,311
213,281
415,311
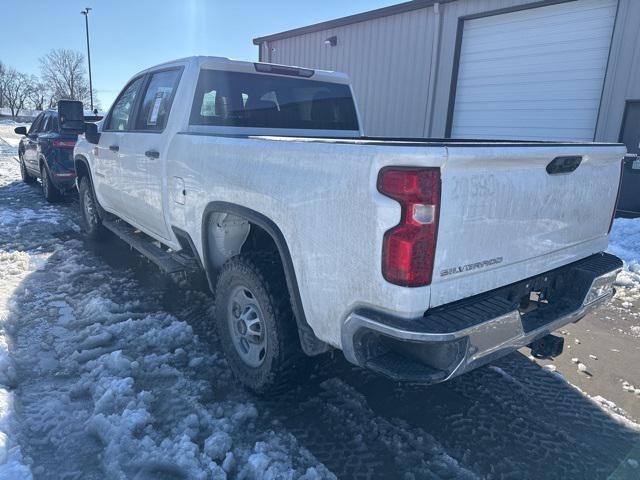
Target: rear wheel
51,193
91,221
26,177
255,322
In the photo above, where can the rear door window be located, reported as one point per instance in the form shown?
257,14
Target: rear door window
271,101
157,100
123,108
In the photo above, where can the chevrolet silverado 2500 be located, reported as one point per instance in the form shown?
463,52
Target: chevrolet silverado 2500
420,259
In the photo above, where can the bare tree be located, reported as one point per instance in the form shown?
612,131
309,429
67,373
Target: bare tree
3,70
39,95
17,88
64,72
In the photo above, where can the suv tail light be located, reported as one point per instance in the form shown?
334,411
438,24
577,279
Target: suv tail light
63,143
408,249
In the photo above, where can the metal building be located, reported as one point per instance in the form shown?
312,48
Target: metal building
551,69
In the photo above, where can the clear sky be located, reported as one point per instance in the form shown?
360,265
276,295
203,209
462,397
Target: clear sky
128,36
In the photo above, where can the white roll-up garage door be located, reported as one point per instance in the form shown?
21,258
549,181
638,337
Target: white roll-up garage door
534,74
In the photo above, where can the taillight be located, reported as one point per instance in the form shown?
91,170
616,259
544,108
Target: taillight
63,143
408,249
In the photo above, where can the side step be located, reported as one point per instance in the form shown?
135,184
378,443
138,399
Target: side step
167,261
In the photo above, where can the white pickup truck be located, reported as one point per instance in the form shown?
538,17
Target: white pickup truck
420,259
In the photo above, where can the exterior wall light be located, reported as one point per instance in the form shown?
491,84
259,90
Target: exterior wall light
331,41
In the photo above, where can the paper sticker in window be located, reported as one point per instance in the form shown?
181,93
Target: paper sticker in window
155,111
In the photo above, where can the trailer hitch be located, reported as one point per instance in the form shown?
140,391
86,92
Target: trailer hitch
550,346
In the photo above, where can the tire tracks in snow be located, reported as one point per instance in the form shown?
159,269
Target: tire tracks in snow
108,383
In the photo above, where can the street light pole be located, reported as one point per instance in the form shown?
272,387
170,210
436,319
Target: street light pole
85,12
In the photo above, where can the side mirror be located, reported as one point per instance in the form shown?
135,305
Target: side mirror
91,133
71,116
20,130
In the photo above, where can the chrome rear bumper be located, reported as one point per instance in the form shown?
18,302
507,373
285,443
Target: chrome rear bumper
459,337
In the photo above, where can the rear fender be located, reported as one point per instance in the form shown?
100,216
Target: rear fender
239,221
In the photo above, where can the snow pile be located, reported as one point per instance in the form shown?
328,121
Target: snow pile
109,384
137,388
14,268
625,243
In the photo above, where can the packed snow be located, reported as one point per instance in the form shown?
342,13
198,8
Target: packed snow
107,380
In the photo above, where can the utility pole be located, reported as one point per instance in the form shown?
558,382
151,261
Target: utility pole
85,12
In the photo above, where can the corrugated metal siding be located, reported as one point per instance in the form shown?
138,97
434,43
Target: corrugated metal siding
622,82
534,74
388,61
390,52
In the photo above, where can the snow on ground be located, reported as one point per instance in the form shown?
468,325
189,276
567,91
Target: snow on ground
625,243
96,380
7,148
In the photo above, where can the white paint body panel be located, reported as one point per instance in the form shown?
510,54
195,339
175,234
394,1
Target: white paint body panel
534,74
497,200
500,202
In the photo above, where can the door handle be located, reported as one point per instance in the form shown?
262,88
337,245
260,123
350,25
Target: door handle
152,154
114,148
564,164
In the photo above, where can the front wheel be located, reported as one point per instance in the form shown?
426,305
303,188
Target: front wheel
91,221
26,177
256,325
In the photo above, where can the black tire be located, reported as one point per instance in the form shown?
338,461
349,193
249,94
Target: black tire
26,176
90,211
284,360
50,191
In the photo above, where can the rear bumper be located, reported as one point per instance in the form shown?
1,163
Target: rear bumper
61,167
63,179
65,183
461,336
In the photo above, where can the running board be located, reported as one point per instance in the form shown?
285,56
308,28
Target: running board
167,261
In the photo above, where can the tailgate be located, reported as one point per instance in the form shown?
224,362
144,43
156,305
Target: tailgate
504,217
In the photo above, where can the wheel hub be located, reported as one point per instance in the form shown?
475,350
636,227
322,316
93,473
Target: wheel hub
246,326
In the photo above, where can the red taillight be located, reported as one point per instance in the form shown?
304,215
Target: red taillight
63,143
408,249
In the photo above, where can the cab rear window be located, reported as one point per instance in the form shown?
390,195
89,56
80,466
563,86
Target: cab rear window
240,99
